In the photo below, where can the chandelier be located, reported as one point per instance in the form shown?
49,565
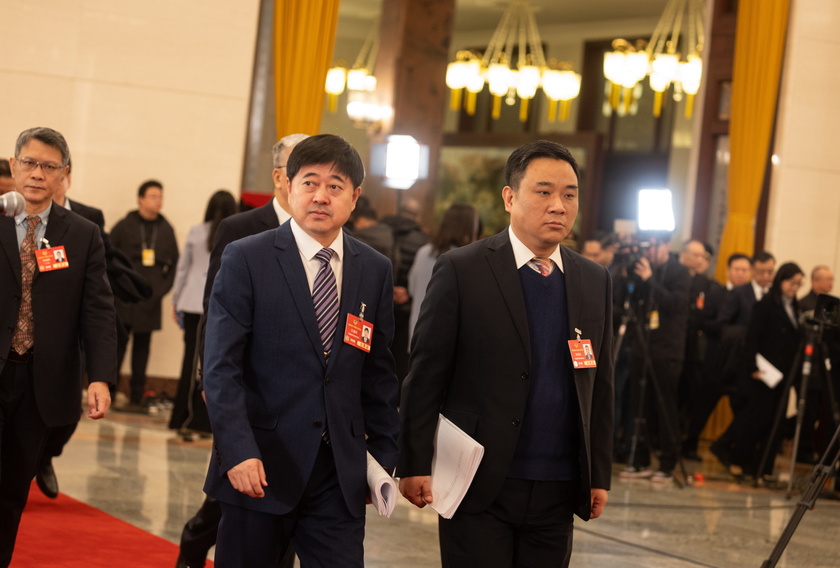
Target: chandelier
516,35
679,27
362,104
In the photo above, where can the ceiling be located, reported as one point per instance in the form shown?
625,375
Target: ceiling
473,15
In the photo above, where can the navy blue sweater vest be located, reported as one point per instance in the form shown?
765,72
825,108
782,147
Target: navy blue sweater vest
548,444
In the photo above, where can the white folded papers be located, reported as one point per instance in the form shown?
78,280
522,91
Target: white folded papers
770,375
454,465
383,488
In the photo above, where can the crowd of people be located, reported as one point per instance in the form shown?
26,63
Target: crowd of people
316,333
686,341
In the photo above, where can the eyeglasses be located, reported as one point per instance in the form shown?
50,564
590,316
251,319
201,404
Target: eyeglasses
49,168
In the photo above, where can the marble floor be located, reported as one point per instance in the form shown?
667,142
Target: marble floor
136,469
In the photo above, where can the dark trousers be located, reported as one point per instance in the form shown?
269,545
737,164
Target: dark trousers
751,427
139,361
529,524
22,435
324,533
189,410
661,429
57,438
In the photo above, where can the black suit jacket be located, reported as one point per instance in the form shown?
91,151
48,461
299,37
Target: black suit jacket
737,306
234,228
471,358
72,308
92,214
771,333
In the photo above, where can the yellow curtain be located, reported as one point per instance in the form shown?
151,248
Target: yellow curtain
759,48
304,36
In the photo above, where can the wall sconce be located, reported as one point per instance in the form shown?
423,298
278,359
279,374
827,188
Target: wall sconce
400,161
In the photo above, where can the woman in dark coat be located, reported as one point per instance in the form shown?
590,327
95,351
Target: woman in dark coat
774,334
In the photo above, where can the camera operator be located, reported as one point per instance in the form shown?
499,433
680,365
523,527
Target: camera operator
660,301
702,304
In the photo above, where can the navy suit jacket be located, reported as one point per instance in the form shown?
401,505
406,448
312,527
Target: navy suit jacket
270,392
471,358
72,308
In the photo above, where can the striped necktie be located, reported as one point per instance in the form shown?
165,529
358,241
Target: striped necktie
542,265
325,299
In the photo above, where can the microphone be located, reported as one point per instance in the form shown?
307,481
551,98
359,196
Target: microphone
12,204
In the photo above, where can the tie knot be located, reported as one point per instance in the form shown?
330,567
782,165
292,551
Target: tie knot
542,264
324,255
33,221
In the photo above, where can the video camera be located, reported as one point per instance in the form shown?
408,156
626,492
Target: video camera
629,254
827,311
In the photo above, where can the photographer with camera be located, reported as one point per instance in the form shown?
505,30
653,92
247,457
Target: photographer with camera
660,304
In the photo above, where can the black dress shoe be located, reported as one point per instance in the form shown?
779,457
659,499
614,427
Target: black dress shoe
46,480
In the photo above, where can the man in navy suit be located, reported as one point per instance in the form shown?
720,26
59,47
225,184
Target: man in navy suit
293,408
493,352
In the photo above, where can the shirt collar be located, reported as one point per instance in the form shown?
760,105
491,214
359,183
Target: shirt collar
523,254
757,290
282,214
309,247
44,215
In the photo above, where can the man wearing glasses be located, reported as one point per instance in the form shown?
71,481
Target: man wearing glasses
46,316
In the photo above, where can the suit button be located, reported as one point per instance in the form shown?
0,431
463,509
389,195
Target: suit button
318,424
525,376
516,421
328,380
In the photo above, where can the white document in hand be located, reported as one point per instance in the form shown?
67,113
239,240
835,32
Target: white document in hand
770,375
454,465
383,488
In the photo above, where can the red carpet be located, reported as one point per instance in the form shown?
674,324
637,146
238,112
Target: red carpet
67,533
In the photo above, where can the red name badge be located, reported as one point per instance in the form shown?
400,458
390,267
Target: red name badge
53,258
582,354
358,333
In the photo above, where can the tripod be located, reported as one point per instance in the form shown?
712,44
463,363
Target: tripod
642,335
808,499
805,356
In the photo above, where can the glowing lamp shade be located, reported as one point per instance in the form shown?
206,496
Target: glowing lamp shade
401,161
499,79
335,80
690,73
528,81
656,211
456,76
663,71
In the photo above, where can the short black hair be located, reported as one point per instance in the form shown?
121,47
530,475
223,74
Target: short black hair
141,192
762,256
325,149
737,256
518,161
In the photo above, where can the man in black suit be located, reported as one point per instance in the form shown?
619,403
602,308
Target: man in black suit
199,534
732,320
46,320
492,351
58,437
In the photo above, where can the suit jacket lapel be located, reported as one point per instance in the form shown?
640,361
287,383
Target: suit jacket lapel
291,265
268,216
351,280
503,264
8,242
574,288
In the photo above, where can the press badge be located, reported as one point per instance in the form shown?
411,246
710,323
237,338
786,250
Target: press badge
582,354
358,332
51,258
148,257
